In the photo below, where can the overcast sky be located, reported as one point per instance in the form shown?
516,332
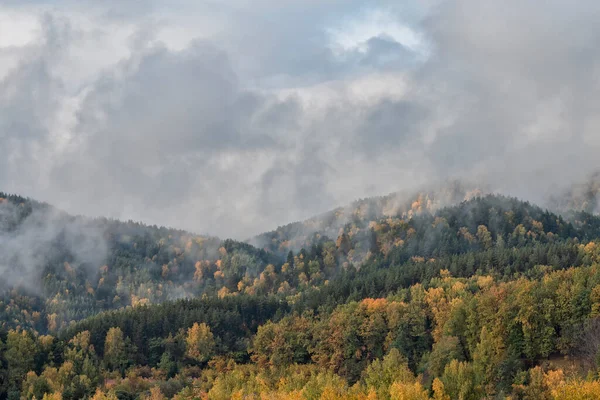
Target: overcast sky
232,117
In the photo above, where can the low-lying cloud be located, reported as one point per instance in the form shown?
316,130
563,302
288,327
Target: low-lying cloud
34,243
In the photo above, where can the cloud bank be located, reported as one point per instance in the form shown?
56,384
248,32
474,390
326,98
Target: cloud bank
233,117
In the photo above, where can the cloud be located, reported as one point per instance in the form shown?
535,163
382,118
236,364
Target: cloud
33,243
516,84
236,117
170,128
356,33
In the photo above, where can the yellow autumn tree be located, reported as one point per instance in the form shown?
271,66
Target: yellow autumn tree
438,390
100,395
408,391
200,342
155,394
115,349
577,390
381,374
53,396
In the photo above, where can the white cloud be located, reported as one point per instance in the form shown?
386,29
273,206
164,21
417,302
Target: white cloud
354,32
233,117
17,28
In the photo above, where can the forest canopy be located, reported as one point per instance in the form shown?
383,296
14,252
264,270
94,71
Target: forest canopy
490,297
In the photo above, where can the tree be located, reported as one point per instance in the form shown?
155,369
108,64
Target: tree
115,350
21,350
459,381
589,346
381,374
487,358
408,391
438,390
34,387
167,365
52,396
448,348
343,244
283,343
81,352
200,342
537,387
100,395
484,236
155,394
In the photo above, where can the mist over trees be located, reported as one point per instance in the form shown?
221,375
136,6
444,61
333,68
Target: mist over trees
482,296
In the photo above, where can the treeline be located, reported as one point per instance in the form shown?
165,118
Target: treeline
457,338
233,320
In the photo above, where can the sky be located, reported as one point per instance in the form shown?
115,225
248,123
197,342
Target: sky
233,117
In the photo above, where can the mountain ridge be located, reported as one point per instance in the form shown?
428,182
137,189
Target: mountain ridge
82,266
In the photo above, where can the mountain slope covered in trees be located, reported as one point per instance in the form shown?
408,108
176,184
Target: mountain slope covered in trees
443,295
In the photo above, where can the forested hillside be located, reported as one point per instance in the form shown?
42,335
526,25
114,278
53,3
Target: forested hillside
444,295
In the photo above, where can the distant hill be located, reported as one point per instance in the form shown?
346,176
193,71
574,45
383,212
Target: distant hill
66,268
297,235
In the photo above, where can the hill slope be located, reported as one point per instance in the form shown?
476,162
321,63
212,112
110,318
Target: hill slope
62,268
479,293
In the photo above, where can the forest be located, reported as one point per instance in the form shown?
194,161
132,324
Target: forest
442,295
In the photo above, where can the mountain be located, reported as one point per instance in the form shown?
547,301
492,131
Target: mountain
297,235
68,268
484,287
74,267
